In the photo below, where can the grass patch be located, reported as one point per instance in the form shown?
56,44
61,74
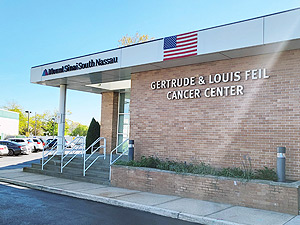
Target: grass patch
181,167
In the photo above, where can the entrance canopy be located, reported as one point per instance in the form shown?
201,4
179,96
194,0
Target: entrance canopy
111,70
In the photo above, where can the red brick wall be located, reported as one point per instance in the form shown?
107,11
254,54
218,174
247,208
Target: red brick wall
221,130
109,119
268,195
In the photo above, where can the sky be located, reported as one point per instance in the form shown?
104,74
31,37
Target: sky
35,32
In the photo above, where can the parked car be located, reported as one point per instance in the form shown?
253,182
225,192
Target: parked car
24,141
53,142
3,150
43,142
38,144
15,148
32,144
49,140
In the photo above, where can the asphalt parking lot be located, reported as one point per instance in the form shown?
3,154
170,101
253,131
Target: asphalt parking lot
20,161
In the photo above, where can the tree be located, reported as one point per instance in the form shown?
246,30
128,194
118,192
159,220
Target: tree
39,124
93,134
50,127
80,130
137,38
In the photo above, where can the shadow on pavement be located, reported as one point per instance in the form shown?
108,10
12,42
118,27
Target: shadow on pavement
20,165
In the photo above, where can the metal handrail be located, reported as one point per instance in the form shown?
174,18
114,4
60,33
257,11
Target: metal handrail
53,149
124,151
78,144
92,153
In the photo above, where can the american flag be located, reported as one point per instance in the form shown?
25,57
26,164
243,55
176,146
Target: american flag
181,45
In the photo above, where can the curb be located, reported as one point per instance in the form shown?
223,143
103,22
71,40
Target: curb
120,203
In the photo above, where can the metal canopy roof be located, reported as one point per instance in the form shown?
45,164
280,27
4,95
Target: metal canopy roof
266,34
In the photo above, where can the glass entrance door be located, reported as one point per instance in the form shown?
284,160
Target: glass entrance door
123,117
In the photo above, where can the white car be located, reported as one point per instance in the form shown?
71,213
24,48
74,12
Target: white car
26,150
31,144
3,150
38,144
26,141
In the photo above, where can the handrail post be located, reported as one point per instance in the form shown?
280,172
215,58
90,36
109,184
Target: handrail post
61,162
84,164
82,147
109,173
93,152
111,162
43,159
104,151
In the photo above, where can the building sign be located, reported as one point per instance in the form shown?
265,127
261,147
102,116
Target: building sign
80,66
209,92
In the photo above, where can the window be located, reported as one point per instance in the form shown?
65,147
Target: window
123,117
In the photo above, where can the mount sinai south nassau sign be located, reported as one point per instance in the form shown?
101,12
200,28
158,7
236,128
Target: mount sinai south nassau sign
80,65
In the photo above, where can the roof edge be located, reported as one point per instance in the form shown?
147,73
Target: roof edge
227,24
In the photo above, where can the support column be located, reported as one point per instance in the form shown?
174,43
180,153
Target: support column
109,119
61,119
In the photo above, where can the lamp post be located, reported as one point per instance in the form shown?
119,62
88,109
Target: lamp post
28,121
35,125
53,119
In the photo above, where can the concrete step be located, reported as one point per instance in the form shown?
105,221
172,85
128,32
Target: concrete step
98,173
80,158
99,162
97,165
87,178
73,171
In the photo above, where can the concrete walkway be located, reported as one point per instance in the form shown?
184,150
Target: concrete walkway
187,209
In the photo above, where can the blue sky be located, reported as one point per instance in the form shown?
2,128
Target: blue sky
37,32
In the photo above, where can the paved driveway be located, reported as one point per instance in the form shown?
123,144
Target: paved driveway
20,205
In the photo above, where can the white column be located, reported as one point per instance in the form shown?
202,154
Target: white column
61,119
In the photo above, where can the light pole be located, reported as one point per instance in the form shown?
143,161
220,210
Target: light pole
53,119
35,125
28,121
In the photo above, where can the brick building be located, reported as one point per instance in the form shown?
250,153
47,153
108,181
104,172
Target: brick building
215,95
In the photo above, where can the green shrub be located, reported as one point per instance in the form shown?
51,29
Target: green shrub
93,134
202,168
266,174
150,162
